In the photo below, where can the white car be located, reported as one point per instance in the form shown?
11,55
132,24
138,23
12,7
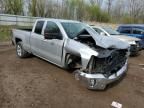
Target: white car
107,31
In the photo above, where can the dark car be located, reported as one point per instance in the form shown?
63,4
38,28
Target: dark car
133,30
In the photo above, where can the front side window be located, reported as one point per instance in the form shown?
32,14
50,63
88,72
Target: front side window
51,27
138,31
52,31
39,26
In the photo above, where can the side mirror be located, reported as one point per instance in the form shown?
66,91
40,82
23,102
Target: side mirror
103,34
51,36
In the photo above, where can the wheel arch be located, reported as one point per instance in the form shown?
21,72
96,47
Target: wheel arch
73,55
17,40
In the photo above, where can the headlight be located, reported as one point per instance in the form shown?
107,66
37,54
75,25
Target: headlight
132,42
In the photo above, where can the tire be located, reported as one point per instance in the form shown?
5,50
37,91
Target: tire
21,53
68,63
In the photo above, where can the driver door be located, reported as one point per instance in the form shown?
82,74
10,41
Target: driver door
52,44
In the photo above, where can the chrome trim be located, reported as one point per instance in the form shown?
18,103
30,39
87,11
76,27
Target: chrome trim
100,80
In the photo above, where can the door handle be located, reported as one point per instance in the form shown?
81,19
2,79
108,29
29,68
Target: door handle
51,43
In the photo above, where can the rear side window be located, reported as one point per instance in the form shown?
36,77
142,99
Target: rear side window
125,30
138,31
39,26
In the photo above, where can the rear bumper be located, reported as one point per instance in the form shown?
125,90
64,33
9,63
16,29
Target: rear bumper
99,81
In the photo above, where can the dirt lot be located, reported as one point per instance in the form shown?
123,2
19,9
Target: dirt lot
35,83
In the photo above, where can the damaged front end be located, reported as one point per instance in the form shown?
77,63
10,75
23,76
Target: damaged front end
102,70
102,60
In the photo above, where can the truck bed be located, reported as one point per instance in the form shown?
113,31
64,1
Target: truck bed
24,29
22,34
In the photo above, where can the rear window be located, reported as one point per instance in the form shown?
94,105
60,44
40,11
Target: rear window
39,26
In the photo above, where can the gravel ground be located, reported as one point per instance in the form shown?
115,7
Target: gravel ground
35,83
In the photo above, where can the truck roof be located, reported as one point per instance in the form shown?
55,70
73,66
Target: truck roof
130,25
140,26
58,20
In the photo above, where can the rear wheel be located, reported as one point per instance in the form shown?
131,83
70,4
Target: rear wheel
20,51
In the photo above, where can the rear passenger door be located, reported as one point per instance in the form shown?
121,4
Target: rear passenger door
139,33
36,38
126,31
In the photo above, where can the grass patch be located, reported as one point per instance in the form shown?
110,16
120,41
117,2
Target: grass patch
5,32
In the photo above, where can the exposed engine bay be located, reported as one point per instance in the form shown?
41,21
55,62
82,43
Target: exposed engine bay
107,65
85,38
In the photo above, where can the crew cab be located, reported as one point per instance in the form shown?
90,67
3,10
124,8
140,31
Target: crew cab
97,61
134,43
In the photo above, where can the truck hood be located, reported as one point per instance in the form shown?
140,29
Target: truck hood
125,38
77,48
107,42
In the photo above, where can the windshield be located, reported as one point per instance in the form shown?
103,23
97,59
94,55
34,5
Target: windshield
111,31
72,29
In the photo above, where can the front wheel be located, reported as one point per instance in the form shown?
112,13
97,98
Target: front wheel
21,53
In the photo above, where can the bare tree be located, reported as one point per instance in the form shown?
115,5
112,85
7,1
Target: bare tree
118,9
33,8
92,2
80,10
135,8
96,2
26,7
13,6
49,9
66,9
109,5
1,6
41,8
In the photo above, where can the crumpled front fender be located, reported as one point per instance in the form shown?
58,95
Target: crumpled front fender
79,49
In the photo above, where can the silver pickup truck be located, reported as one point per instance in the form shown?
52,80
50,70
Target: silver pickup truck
97,60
